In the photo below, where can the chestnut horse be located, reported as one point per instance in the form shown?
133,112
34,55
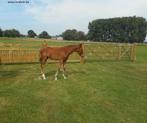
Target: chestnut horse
61,54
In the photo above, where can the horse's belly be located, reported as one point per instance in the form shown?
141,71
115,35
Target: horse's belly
56,57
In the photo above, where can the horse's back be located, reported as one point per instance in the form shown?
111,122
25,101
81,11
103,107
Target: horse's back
54,53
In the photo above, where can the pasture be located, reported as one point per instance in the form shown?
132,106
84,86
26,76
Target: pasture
102,91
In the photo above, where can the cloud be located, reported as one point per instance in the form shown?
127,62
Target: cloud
78,13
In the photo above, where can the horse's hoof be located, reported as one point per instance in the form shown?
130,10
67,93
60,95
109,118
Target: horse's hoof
42,78
65,77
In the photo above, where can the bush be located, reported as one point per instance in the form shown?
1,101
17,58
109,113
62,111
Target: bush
73,35
11,33
44,34
31,34
1,32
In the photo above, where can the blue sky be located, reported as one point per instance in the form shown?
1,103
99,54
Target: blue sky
55,16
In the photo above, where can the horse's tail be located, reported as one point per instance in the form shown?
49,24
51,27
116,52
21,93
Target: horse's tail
40,55
44,45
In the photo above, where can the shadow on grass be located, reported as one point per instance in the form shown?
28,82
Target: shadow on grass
50,73
71,62
68,72
106,61
80,72
8,74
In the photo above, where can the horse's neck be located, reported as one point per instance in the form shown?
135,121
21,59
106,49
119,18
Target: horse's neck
71,49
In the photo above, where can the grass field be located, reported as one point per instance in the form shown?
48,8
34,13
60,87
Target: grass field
95,92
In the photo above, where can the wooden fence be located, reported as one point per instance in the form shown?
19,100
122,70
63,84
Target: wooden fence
99,51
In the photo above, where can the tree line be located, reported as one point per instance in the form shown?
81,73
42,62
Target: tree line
70,34
16,33
125,29
122,29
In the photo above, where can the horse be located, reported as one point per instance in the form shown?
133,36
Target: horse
60,54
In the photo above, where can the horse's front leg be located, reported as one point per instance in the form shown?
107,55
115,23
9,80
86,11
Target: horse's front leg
56,74
63,71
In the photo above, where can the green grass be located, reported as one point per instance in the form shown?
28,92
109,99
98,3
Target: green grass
95,92
31,43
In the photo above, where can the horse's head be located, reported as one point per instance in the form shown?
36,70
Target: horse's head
80,51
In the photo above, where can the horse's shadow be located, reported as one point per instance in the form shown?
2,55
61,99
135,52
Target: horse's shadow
68,73
50,73
76,72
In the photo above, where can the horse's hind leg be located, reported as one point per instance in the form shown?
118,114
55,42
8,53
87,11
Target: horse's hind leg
58,70
63,70
42,73
56,74
43,61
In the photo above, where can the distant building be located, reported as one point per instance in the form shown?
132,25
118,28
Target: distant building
36,37
57,38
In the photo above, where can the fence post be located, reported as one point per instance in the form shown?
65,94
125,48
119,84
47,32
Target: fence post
0,58
119,52
83,47
133,52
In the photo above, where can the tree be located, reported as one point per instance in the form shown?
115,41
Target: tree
81,35
68,34
125,29
31,34
1,32
73,35
44,34
11,33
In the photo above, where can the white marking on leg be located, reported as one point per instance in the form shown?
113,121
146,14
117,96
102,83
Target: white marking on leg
63,72
43,76
56,75
56,79
64,76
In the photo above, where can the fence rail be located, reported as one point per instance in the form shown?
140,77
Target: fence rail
92,52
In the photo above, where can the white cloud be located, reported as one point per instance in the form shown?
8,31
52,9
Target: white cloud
78,13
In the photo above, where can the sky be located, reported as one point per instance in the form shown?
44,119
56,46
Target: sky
55,16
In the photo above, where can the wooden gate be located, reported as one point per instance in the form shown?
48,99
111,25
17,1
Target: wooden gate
110,51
